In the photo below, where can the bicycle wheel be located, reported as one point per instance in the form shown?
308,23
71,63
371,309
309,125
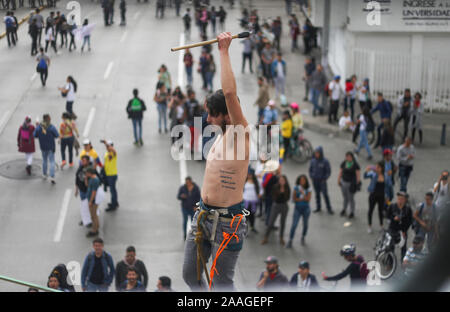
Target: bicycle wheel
388,264
302,152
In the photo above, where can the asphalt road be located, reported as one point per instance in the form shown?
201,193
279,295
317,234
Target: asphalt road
149,216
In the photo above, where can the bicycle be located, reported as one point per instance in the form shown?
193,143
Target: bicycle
301,149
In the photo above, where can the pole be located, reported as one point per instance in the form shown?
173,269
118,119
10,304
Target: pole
326,32
31,285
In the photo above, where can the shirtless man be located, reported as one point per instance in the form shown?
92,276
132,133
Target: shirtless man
223,184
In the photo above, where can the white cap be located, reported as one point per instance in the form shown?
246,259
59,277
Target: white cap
271,103
110,142
271,166
86,142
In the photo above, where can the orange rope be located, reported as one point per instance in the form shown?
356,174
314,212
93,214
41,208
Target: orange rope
226,240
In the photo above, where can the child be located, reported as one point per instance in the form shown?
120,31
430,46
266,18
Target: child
286,132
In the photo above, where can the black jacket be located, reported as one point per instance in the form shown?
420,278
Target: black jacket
354,270
405,215
312,284
138,114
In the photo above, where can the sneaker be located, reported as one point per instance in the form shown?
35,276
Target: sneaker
159,131
369,158
369,230
52,181
71,165
343,213
316,211
136,143
289,244
28,169
44,177
330,212
63,164
92,234
110,208
141,142
351,216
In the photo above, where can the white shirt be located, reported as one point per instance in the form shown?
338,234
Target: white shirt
362,124
362,96
344,121
49,35
71,94
442,197
335,90
180,112
250,192
280,72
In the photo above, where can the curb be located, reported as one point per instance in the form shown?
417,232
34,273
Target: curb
23,20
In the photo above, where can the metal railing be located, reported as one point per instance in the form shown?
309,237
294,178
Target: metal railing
31,285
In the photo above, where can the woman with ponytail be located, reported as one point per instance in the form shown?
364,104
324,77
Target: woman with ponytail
69,93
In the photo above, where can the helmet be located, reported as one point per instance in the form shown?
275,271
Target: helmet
348,250
294,105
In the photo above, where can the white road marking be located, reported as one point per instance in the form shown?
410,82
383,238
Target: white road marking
124,36
87,128
62,216
33,77
4,120
136,15
182,161
108,70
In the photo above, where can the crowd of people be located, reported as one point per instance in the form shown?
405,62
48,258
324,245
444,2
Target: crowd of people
267,190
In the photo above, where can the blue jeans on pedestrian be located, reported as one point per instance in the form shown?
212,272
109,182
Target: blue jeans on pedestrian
363,142
48,156
187,213
94,287
162,115
112,180
137,122
404,172
189,75
300,211
86,39
209,79
320,186
315,95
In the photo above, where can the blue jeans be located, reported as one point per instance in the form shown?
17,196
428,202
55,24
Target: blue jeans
112,180
300,211
404,172
187,213
94,287
48,156
209,79
320,186
162,115
189,75
137,123
86,39
363,142
315,95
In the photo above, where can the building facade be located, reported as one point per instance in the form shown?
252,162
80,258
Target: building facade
397,44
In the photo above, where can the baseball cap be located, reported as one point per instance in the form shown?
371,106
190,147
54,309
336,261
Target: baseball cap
401,193
86,142
304,265
337,77
271,103
294,105
271,259
110,142
387,151
271,166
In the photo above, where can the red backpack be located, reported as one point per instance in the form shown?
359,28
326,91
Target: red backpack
363,270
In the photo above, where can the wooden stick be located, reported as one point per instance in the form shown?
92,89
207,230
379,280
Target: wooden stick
203,43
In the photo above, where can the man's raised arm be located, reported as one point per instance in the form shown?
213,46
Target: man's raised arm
228,82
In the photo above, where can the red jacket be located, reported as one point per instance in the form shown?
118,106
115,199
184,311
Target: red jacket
26,145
